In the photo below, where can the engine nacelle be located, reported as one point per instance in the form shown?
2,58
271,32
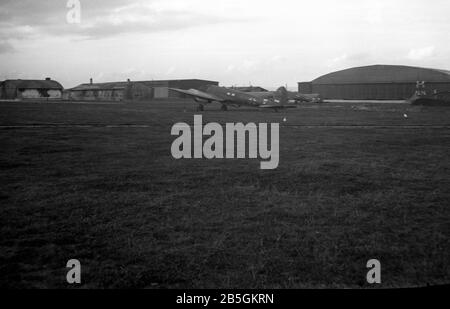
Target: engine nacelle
202,100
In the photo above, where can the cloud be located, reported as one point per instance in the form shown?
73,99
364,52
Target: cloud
350,60
338,59
99,19
276,59
171,70
6,47
421,53
114,25
375,11
250,65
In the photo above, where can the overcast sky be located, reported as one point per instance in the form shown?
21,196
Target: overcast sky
236,42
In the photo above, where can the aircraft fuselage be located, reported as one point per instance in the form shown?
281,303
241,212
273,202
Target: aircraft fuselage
235,97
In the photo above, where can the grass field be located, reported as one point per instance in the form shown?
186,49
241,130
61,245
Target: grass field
355,182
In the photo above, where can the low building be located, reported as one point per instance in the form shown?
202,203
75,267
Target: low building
118,91
378,82
133,90
21,89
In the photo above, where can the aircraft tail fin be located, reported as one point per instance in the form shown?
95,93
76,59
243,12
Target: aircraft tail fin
282,94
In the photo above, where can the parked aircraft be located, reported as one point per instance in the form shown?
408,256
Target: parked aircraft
232,97
297,97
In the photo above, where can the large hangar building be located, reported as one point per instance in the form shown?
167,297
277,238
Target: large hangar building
377,82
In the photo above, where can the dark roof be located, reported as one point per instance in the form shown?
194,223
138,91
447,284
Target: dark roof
178,80
100,86
251,89
384,74
32,84
122,85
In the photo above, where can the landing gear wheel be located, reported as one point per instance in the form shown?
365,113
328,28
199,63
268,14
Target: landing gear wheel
200,108
224,108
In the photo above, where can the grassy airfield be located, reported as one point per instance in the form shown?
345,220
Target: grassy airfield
97,182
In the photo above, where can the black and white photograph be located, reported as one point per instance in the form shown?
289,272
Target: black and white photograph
200,146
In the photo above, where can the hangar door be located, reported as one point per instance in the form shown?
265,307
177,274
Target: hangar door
161,92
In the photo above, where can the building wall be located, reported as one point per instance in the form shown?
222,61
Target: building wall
54,94
9,93
30,94
39,94
111,95
139,92
377,82
132,90
387,91
305,87
73,95
161,92
159,89
97,95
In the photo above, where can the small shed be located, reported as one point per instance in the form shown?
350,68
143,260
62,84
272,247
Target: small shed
18,89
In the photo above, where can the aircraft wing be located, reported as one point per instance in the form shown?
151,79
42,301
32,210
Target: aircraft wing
302,97
198,94
263,95
277,106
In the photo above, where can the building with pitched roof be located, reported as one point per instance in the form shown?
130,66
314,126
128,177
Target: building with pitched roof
133,90
19,89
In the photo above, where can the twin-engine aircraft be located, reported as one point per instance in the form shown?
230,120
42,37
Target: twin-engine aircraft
232,97
296,97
